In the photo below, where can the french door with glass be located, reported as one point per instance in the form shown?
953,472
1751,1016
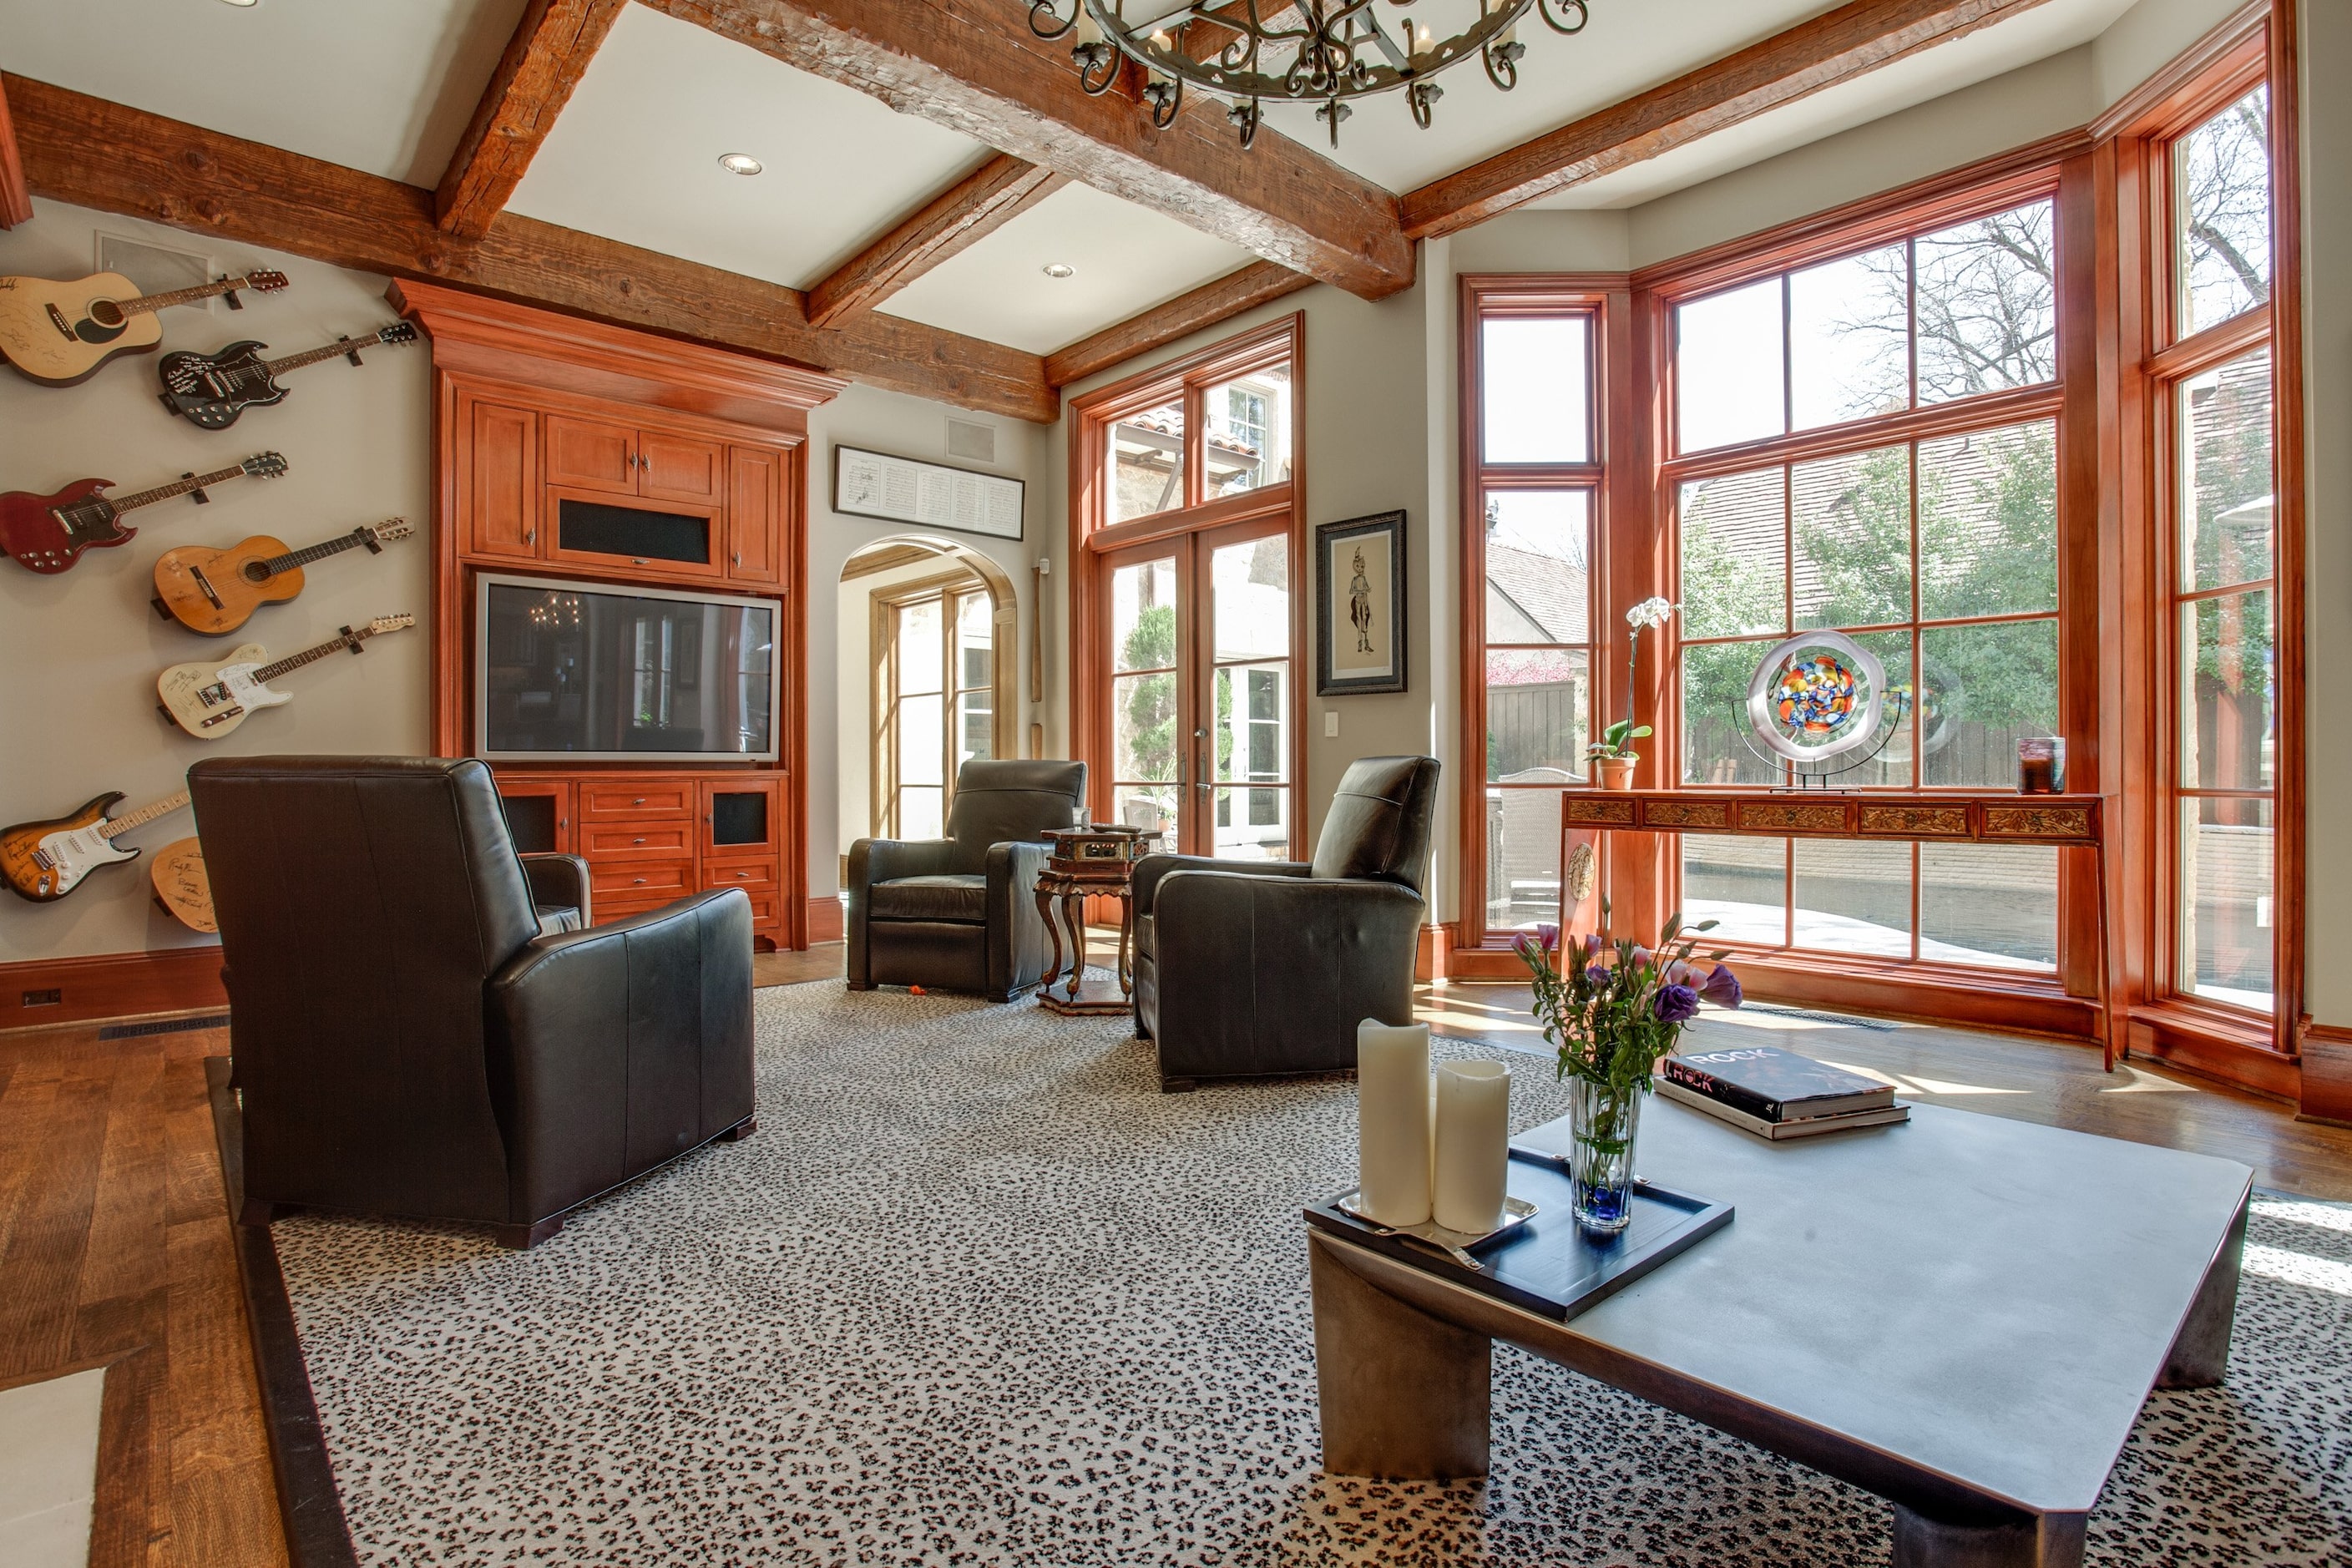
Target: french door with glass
1199,686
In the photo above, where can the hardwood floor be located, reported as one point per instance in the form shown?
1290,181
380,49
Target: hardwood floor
114,1247
2033,1080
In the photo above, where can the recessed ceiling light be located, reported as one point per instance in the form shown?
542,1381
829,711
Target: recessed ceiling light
1060,270
740,163
242,5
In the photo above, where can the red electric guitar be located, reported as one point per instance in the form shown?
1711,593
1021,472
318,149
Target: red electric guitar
48,533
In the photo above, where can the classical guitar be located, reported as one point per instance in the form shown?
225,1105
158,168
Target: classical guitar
216,590
45,860
211,390
208,700
48,533
61,333
182,886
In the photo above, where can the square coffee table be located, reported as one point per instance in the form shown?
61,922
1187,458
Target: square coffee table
1962,1315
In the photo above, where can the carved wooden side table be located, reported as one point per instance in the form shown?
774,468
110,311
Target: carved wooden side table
1094,861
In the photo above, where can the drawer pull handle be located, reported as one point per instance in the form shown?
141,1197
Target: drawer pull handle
636,841
639,801
641,881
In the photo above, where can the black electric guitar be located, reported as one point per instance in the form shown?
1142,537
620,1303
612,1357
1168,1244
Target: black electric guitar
211,390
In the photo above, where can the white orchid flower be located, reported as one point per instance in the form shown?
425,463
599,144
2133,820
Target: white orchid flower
1650,613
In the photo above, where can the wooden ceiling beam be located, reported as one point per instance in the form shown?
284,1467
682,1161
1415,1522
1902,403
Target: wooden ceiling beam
1180,318
973,66
1837,46
544,62
104,155
16,201
959,216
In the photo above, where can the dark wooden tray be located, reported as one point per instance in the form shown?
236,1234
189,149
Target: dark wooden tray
1549,1265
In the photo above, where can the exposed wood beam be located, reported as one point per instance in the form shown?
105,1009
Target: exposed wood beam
964,214
16,201
1837,45
104,155
973,66
1202,42
1162,324
544,60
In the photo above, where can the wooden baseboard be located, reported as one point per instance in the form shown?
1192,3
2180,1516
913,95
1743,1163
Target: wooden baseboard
825,916
2183,1043
1432,956
2327,1087
45,991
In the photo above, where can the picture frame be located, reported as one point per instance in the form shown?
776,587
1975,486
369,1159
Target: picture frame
1359,605
928,495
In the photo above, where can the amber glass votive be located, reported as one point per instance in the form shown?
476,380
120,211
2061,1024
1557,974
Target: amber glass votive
2040,765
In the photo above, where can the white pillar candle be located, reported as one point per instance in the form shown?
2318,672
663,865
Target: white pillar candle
1393,1118
1473,1144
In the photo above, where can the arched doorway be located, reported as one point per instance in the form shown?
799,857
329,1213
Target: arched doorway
928,664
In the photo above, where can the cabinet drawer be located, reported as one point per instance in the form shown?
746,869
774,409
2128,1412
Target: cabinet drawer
620,909
655,881
631,798
749,874
766,913
650,839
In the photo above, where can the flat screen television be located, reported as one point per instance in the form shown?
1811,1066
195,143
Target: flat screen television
581,671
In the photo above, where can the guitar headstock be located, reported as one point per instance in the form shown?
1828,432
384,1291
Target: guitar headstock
264,465
266,282
390,528
397,333
383,624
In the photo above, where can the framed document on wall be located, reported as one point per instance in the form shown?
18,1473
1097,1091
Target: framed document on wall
1359,605
933,495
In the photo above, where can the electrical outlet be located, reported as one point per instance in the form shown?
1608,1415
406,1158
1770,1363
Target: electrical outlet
1330,723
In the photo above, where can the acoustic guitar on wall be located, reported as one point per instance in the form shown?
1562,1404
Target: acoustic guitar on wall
216,590
60,333
48,533
211,390
208,700
182,886
44,861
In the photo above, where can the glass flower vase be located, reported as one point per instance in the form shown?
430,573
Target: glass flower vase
1603,1123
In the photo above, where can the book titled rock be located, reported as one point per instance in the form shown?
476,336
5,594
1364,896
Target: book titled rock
1776,1085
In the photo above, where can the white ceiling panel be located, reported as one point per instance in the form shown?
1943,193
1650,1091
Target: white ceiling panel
385,86
1123,259
635,156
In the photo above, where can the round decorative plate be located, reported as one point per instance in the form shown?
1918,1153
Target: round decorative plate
1816,695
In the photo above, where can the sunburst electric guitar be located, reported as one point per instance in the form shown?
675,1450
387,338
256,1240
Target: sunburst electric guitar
208,700
211,390
60,334
48,533
44,861
216,590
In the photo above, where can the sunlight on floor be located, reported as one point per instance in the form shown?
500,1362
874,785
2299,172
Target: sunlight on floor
2299,1269
1913,1085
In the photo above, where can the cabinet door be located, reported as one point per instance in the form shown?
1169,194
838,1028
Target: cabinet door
539,815
755,516
740,818
500,492
679,468
588,454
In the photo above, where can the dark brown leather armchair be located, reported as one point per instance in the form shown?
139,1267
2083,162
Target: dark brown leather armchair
960,913
1262,968
414,1038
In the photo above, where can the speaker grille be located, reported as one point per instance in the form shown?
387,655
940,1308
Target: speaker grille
972,441
155,269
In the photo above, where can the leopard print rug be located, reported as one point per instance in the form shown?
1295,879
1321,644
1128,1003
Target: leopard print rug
978,1293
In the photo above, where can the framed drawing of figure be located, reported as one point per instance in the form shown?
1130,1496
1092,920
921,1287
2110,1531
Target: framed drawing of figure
1359,605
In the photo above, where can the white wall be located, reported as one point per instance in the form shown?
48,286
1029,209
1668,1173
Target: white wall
83,649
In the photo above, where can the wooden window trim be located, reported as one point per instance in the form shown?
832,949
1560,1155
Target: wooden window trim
948,588
1093,537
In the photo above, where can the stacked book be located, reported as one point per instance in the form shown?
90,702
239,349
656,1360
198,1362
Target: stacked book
1776,1094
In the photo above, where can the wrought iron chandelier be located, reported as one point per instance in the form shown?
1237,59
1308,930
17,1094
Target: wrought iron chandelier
1303,52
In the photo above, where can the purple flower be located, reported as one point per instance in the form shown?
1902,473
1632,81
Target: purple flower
1547,937
1524,945
1598,976
1591,944
1722,987
1674,1003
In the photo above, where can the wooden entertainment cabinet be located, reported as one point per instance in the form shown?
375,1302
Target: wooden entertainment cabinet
569,448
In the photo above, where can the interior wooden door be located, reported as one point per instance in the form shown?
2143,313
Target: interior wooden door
1243,792
1150,738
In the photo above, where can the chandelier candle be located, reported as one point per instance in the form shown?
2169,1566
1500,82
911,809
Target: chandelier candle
1393,1117
1474,1145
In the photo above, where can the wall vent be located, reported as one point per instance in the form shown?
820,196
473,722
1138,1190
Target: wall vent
155,269
51,996
971,441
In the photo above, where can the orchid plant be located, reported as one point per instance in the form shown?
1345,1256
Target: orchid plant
1616,739
1613,1008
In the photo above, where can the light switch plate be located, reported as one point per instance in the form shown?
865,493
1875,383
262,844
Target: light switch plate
1330,723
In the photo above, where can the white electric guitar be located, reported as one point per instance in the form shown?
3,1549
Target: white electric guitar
47,860
208,700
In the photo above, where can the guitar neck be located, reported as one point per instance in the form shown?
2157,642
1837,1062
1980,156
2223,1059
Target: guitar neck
318,552
145,815
176,487
324,352
294,661
148,303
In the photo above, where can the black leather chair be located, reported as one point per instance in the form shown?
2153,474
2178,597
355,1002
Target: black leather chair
414,1038
960,913
1263,969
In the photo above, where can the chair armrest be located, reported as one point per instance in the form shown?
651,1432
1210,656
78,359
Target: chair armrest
560,879
1012,870
1145,888
873,860
1019,944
